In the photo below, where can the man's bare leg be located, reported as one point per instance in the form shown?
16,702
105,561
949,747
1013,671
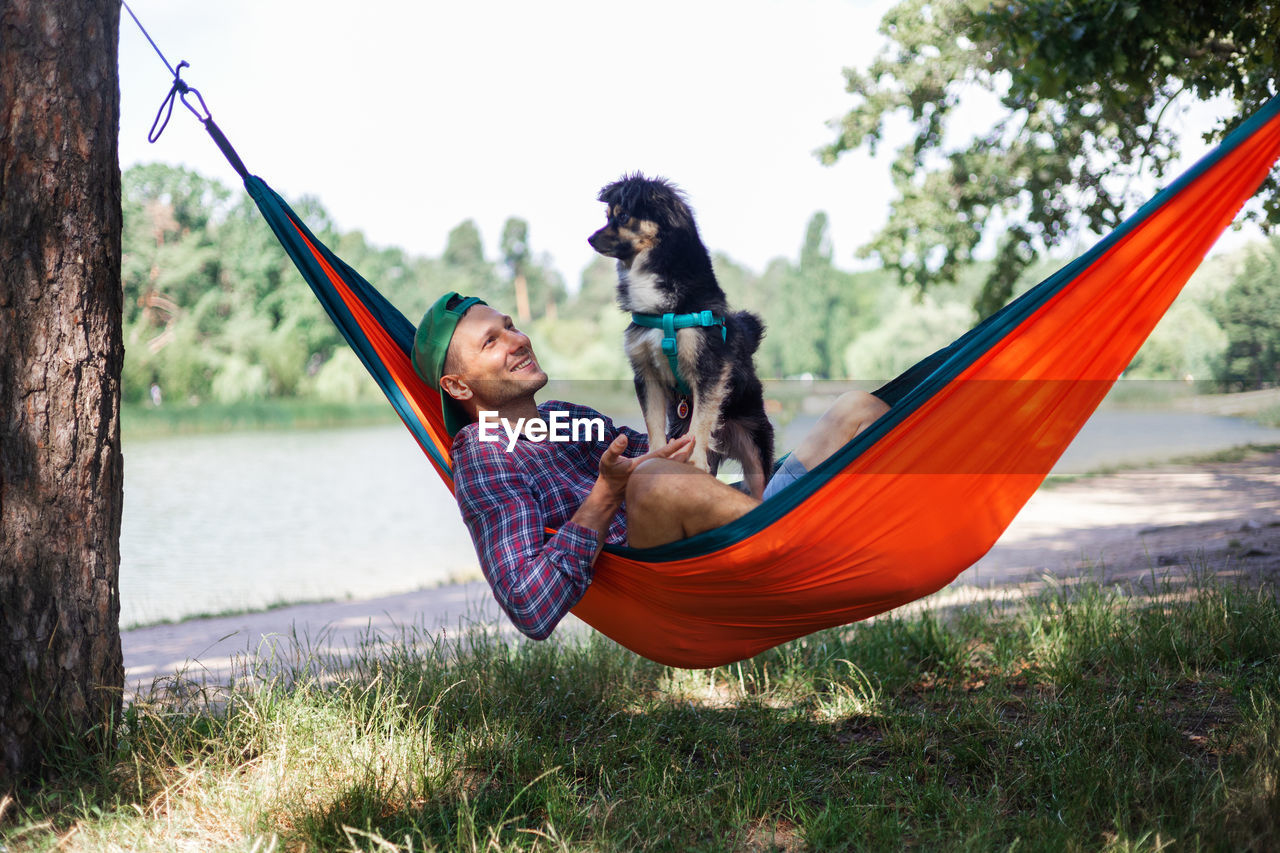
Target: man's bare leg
668,501
850,414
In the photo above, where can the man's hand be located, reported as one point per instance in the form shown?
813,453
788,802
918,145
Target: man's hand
615,469
597,511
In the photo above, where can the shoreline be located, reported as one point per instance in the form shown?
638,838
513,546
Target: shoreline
145,421
232,613
1126,527
221,649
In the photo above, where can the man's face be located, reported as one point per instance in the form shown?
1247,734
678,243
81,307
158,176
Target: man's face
493,359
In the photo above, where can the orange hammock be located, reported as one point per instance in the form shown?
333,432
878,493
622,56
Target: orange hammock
910,503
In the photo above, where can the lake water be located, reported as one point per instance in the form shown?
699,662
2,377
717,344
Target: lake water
245,520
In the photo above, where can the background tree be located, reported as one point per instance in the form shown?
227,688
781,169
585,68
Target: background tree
515,255
215,311
464,268
1086,89
539,289
169,262
547,291
814,309
597,288
60,358
1249,312
1187,344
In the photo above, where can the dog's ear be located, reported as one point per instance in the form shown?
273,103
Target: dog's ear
669,206
607,193
621,191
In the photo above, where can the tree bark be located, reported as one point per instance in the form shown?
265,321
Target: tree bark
61,350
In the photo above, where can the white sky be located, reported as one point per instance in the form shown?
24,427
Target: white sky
407,118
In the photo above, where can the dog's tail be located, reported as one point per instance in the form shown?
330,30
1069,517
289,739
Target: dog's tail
749,326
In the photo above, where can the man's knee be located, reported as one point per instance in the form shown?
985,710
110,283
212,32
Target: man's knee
664,485
669,500
652,483
853,410
656,508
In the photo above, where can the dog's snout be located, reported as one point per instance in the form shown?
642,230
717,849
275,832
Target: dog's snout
604,242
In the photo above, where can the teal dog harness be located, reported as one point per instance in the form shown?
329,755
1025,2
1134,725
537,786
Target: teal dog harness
668,323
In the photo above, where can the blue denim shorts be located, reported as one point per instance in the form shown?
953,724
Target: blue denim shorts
787,473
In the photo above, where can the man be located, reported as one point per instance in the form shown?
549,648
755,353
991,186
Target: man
610,489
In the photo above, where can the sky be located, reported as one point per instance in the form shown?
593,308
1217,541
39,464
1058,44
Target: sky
405,119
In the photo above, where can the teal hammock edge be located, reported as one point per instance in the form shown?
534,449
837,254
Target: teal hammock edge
286,224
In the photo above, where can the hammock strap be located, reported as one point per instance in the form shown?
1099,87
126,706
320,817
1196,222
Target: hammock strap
225,147
668,323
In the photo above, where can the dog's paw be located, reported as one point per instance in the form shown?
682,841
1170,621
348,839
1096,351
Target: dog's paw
699,460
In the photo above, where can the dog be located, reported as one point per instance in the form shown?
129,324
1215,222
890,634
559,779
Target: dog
664,269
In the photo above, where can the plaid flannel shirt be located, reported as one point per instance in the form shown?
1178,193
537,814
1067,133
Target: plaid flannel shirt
508,499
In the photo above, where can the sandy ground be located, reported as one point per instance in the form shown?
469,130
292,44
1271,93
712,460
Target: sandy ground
1129,527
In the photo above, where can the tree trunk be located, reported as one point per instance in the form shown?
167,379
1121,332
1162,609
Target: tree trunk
523,313
61,476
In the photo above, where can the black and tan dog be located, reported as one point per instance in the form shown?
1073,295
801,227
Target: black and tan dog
691,356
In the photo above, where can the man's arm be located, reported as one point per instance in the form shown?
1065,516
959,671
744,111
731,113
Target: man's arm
535,579
538,580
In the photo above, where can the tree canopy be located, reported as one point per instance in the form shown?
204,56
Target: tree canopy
1087,91
214,311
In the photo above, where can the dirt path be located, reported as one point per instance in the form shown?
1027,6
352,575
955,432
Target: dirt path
1223,517
1172,519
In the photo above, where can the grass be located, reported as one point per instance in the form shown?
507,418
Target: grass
1080,719
1269,416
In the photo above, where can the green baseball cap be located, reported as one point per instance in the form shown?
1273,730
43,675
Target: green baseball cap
431,344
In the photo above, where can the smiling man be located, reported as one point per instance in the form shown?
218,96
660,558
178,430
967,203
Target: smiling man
568,468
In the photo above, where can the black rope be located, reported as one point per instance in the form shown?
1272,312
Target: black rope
179,91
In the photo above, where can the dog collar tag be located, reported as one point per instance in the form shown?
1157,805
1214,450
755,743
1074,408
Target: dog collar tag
682,408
